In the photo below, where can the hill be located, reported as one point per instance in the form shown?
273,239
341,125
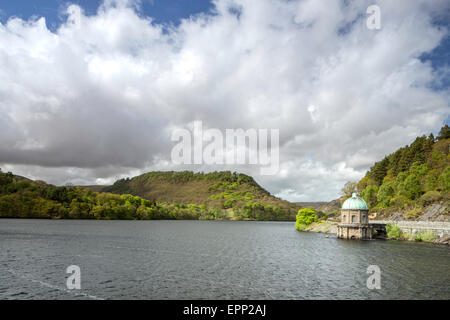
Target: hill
220,195
411,183
236,195
331,208
314,204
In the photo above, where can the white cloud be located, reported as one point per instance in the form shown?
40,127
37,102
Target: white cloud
96,99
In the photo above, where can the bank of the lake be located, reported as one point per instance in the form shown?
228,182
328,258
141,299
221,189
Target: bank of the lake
409,230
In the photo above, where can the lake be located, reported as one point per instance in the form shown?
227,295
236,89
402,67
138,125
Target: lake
209,260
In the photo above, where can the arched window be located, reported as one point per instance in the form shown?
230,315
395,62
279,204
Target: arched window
353,218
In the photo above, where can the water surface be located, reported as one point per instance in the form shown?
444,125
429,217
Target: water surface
209,260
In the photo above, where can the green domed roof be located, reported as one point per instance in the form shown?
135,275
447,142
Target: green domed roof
355,203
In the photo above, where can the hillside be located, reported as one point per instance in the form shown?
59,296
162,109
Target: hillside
314,204
331,208
411,183
237,195
221,195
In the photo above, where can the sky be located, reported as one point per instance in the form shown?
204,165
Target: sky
92,90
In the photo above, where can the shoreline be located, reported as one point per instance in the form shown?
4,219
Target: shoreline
330,227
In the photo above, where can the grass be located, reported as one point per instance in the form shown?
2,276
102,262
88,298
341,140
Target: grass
426,236
394,232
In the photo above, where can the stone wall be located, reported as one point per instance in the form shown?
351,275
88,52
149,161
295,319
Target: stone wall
354,232
439,228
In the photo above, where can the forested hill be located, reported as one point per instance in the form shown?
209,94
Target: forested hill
410,179
236,194
182,195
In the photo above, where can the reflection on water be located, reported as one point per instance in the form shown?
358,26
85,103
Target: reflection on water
209,260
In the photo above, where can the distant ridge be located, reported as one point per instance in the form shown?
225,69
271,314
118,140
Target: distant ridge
314,204
237,194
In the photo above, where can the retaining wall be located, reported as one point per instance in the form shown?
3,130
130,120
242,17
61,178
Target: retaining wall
439,228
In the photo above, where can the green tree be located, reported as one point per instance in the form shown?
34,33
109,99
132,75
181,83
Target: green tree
393,231
384,195
379,170
444,180
431,182
411,187
305,217
369,194
444,133
419,169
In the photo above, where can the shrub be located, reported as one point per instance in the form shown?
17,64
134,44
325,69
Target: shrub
410,236
430,197
300,226
228,203
393,231
414,213
305,217
399,201
426,236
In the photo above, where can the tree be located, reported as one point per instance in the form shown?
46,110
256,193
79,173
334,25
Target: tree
405,160
385,194
5,178
417,150
379,170
418,169
369,194
431,182
444,180
410,188
305,217
349,188
444,133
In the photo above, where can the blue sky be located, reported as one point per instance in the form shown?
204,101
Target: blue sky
162,11
170,12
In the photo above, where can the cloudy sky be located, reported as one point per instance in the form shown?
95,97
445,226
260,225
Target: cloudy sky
90,91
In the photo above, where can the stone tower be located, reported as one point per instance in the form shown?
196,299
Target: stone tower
354,219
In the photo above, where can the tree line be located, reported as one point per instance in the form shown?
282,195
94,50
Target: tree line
23,198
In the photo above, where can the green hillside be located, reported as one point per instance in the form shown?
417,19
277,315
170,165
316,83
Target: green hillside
235,195
165,195
410,179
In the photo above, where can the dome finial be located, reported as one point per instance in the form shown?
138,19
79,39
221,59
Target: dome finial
354,195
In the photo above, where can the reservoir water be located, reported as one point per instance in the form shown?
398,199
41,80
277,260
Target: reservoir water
209,260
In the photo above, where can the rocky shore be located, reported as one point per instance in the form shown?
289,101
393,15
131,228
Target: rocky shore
328,227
